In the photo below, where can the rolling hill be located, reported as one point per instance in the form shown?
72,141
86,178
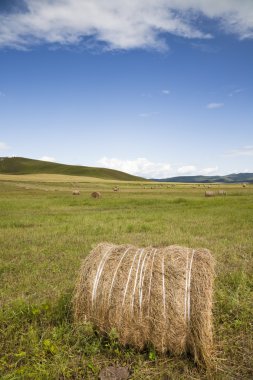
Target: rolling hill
21,165
230,178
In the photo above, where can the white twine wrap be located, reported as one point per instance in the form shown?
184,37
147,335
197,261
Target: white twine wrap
136,278
188,286
98,274
128,278
150,280
115,274
164,292
141,280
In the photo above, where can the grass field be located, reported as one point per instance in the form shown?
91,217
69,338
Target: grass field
22,165
45,232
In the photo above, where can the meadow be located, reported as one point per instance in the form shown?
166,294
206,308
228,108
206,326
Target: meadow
45,232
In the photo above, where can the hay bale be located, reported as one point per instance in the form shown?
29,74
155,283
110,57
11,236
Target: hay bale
222,192
96,194
158,296
75,192
210,193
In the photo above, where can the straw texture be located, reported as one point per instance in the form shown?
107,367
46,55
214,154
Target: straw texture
158,296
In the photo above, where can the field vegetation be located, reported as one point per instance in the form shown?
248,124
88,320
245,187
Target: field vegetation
45,232
22,165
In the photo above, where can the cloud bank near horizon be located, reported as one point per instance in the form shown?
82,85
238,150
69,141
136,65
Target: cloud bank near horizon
142,167
47,158
4,146
120,25
244,151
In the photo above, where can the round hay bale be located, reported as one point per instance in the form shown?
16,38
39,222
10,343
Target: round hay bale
222,192
158,296
96,194
210,193
75,192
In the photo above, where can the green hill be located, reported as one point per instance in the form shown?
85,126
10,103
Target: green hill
21,165
230,178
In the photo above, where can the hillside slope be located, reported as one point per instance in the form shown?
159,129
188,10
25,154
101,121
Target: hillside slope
21,165
230,178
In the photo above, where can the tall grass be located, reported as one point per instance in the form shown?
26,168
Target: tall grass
44,235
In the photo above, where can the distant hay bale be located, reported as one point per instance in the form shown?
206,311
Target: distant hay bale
75,192
116,188
158,296
96,194
210,193
222,192
244,185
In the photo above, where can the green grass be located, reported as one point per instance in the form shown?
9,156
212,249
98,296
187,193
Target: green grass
21,165
44,235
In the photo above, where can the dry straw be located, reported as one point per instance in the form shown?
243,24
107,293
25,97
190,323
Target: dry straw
158,296
96,194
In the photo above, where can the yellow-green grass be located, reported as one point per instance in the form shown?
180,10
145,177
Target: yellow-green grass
45,232
49,178
22,165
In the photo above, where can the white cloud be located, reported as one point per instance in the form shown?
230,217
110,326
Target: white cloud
214,105
208,171
139,167
166,92
144,168
121,24
4,146
235,92
47,158
244,151
187,169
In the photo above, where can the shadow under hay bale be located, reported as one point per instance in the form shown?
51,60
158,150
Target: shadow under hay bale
158,296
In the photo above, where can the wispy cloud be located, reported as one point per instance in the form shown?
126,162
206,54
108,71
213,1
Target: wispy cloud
120,24
193,170
187,169
212,106
235,92
4,146
166,92
140,167
2,94
244,151
47,158
145,168
208,171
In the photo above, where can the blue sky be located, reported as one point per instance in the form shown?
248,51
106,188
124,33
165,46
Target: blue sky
156,88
